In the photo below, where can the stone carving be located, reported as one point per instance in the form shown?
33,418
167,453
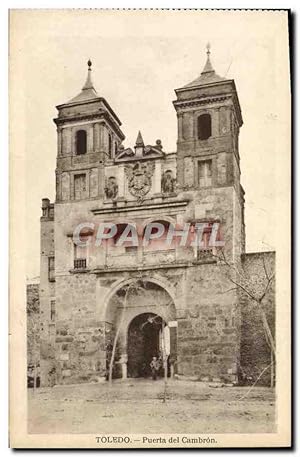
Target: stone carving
139,178
111,189
168,182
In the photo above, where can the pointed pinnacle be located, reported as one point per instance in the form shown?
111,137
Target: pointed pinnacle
139,140
88,83
208,66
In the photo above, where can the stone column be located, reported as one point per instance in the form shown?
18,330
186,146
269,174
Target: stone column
172,371
215,122
103,139
173,347
90,139
59,141
120,180
179,125
58,184
67,138
123,349
73,141
157,178
96,137
123,362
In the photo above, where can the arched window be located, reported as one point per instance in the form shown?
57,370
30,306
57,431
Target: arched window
160,243
129,245
80,142
204,126
120,230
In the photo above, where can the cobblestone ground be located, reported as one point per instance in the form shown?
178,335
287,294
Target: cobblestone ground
137,407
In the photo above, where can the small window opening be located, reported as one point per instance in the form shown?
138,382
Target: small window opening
205,173
80,142
204,126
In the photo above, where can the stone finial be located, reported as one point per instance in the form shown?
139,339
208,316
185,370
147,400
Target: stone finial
45,207
139,140
158,144
208,66
45,202
208,49
88,83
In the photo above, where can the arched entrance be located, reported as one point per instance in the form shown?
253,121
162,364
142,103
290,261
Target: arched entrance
135,315
144,341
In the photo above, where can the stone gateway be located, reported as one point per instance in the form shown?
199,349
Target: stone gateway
92,297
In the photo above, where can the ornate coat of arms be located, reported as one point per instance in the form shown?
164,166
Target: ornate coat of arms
139,178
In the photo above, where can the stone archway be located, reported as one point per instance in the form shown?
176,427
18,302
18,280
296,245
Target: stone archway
146,299
105,294
143,343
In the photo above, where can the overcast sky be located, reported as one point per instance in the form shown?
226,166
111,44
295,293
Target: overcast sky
139,58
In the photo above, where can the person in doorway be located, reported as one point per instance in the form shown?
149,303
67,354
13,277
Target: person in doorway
154,365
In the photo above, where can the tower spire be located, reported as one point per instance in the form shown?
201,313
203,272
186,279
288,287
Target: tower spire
88,92
139,140
208,66
88,84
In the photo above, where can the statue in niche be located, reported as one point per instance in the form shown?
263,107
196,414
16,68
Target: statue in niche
111,189
168,182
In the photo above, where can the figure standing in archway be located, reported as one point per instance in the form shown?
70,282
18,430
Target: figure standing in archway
155,366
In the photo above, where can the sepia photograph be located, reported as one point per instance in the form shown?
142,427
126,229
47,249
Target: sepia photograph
150,156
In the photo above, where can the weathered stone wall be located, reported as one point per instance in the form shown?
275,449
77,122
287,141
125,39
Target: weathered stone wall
208,325
80,349
33,323
80,334
46,295
255,352
33,298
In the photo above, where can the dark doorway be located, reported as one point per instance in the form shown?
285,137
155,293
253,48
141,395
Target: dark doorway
143,343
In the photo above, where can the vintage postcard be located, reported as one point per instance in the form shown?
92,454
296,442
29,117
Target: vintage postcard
150,263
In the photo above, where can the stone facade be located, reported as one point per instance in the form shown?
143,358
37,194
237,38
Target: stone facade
255,351
33,323
88,295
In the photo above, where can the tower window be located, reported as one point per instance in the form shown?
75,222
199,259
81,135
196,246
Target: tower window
81,254
81,142
80,186
52,310
205,173
204,126
160,244
51,269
